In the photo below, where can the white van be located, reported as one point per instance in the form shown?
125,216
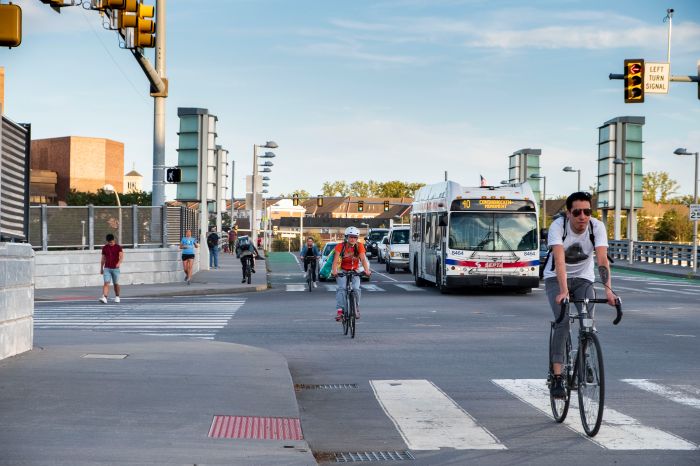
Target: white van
397,248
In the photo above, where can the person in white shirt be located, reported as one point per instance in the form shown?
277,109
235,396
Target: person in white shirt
574,239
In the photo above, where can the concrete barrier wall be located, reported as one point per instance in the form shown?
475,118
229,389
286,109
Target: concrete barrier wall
69,269
16,299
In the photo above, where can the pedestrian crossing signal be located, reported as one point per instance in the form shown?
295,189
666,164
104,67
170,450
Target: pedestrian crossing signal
634,81
173,175
360,206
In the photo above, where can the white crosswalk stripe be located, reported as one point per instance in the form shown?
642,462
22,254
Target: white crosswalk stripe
408,287
618,431
198,319
428,419
683,394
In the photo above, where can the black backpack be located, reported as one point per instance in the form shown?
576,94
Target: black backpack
563,237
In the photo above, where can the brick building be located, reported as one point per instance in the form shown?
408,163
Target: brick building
81,163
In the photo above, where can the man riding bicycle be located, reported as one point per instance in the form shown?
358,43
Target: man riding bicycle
348,255
573,239
245,251
310,254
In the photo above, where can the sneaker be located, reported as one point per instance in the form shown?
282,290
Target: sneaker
243,281
103,300
117,300
188,281
252,270
315,285
557,390
339,315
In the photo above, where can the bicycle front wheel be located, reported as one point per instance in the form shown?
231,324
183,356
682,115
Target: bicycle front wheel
308,281
351,314
560,406
591,384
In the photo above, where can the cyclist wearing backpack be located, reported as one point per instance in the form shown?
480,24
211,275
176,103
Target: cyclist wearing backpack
245,251
348,255
573,239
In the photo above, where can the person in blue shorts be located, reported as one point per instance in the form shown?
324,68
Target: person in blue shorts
188,244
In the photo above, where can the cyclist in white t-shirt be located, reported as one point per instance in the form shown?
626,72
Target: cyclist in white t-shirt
574,239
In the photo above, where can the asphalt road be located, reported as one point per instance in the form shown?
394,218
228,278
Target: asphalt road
451,379
456,379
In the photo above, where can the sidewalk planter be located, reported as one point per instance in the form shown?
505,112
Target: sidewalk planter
70,269
16,299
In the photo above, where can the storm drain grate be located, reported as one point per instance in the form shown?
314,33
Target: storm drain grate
325,386
357,456
253,427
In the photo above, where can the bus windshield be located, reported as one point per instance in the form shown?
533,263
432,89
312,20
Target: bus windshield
486,231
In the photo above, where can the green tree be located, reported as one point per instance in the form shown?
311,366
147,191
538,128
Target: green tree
645,227
299,192
360,189
103,198
673,227
658,185
335,188
398,189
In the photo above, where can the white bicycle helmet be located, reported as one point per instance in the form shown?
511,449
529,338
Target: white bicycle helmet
352,231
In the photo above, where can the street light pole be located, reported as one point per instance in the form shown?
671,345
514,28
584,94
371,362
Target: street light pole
537,176
109,188
681,151
631,221
253,226
578,173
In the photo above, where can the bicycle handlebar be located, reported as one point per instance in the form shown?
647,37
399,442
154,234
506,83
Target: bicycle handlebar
350,273
565,304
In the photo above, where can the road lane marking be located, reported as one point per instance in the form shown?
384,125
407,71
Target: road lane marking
673,393
618,287
408,287
665,290
385,276
428,419
296,287
617,432
371,288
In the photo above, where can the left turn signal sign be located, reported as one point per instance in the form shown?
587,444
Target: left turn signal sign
10,25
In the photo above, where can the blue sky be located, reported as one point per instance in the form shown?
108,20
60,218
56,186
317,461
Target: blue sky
393,89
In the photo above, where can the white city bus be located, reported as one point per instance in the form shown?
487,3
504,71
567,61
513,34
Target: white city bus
475,237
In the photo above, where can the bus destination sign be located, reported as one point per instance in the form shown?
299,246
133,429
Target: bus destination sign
493,204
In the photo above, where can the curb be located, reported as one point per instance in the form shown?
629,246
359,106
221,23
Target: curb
688,275
190,292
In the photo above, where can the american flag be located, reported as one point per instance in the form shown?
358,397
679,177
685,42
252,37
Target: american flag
483,181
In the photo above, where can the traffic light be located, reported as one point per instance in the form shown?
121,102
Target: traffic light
10,25
173,175
634,81
274,229
146,28
319,201
386,206
360,206
295,199
55,4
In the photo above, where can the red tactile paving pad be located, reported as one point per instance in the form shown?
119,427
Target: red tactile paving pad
258,428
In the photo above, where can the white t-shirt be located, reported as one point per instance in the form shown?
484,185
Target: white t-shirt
578,249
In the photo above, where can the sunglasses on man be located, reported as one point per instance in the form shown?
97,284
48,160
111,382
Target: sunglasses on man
577,212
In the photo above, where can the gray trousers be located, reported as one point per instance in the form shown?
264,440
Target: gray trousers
340,291
579,288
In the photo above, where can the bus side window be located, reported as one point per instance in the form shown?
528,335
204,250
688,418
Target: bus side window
438,232
415,227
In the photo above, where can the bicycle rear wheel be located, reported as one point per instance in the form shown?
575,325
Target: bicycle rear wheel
353,307
560,406
591,384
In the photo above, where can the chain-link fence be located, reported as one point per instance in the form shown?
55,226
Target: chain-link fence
86,227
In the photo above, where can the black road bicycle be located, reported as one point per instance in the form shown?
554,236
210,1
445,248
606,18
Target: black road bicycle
310,269
247,270
582,369
350,309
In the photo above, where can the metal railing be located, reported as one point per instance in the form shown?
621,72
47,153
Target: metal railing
85,227
652,252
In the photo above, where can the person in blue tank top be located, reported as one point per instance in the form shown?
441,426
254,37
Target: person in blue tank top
188,245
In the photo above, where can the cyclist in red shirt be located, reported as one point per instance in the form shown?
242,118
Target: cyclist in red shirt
348,256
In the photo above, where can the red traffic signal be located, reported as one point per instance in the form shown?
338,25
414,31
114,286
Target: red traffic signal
634,81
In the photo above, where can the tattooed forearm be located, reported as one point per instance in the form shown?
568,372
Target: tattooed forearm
604,274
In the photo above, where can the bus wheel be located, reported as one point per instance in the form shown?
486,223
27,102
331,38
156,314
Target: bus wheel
443,289
418,281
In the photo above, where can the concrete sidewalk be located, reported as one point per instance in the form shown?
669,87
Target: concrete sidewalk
656,269
155,406
224,280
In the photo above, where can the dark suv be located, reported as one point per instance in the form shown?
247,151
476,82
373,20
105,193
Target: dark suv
374,236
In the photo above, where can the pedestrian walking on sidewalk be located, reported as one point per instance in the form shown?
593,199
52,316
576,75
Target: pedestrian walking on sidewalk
112,257
188,244
213,245
231,241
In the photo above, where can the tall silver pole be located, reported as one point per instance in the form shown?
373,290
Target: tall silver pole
669,15
695,226
253,227
578,172
233,184
631,223
158,197
544,202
